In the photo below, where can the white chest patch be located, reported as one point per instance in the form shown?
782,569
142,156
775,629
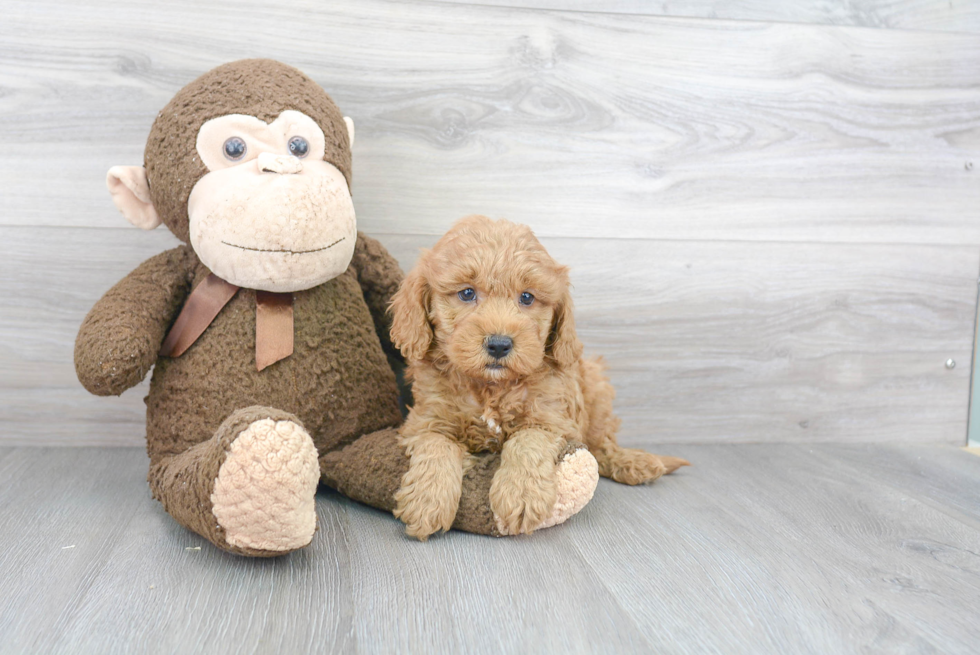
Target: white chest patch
491,424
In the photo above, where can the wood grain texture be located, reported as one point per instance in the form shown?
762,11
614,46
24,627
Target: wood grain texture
939,15
706,341
944,478
757,548
95,560
772,225
802,555
584,124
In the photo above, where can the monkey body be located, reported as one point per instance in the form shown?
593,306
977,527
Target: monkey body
250,166
337,381
338,384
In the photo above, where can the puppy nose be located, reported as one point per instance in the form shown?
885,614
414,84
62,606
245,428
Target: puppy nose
282,164
498,346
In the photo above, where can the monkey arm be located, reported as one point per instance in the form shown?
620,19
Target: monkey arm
120,338
379,275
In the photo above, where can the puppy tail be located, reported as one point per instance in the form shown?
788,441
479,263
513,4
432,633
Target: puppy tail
634,466
626,465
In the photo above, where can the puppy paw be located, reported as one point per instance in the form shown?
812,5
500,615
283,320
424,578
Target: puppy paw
426,504
522,498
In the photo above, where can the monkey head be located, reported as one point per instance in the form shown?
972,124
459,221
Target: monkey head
251,165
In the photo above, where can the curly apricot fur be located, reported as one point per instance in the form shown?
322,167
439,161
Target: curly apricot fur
525,405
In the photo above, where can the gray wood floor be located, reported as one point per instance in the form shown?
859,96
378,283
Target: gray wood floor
758,548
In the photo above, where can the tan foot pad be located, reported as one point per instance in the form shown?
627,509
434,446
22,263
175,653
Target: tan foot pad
578,476
264,496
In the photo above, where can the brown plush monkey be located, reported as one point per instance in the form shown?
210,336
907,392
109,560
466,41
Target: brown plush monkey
267,332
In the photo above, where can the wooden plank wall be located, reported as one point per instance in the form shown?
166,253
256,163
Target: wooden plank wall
950,16
770,209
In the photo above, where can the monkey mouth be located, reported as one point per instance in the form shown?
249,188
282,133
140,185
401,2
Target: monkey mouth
291,252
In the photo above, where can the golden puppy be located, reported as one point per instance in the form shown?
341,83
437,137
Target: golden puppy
485,323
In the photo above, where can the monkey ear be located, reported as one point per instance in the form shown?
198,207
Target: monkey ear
131,195
410,329
349,122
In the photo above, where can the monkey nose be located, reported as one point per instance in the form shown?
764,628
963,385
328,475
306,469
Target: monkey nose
283,164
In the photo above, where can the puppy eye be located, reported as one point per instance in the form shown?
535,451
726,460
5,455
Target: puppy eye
299,147
526,299
467,295
235,148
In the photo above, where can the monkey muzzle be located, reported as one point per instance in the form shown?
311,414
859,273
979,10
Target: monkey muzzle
275,224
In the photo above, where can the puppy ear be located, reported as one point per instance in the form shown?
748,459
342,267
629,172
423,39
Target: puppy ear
410,329
563,344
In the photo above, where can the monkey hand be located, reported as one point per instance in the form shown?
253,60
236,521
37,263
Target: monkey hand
118,341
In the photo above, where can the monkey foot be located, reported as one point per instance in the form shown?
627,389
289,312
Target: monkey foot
370,471
264,495
576,478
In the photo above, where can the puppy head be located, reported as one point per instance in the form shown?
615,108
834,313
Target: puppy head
490,300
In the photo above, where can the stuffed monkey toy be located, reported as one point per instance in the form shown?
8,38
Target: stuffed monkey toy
267,330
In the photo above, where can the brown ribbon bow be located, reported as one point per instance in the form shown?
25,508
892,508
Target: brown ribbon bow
273,321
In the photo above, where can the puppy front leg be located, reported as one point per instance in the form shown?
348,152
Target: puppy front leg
429,495
523,491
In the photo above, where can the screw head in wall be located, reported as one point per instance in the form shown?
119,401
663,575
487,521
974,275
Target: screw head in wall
950,363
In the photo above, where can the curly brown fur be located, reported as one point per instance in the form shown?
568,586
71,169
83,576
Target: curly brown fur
525,404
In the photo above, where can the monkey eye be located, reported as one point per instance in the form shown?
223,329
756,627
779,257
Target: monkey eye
299,147
235,148
467,295
526,299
